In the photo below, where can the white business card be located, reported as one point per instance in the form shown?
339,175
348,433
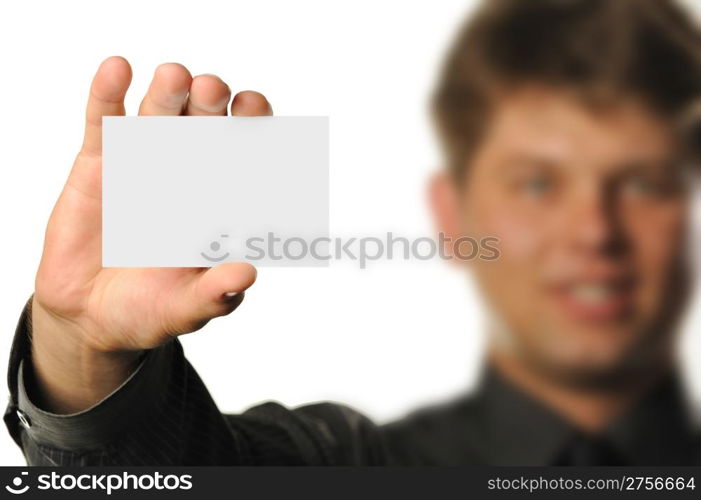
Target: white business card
198,191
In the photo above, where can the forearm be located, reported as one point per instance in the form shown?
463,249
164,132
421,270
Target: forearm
160,414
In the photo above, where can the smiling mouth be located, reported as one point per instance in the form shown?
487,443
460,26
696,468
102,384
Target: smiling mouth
592,300
214,259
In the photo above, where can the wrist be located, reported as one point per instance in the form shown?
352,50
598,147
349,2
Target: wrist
70,374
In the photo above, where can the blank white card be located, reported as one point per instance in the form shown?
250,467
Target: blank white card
198,191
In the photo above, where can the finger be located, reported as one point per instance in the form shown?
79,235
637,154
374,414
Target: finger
107,92
209,96
250,103
220,289
168,90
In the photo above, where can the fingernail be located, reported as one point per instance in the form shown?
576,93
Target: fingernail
230,294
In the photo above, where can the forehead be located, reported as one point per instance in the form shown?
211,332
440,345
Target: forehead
557,126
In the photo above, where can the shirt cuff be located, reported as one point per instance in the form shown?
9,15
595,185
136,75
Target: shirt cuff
128,405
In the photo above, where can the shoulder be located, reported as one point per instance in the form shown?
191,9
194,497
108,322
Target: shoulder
432,418
323,414
333,433
696,431
428,434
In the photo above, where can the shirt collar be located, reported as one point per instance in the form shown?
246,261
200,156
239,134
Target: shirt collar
520,430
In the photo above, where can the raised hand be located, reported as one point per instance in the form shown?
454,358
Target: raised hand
90,323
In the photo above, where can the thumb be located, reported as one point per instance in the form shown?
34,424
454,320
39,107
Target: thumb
217,291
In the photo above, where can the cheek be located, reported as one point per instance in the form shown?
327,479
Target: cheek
511,281
656,238
522,234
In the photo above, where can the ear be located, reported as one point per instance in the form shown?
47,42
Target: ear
444,199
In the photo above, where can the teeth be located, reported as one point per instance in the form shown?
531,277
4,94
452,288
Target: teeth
592,293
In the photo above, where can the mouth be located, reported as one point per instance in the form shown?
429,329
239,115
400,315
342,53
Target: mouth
596,300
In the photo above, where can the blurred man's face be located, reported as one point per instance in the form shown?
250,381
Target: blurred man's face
590,214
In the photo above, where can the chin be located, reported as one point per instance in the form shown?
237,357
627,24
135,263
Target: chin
598,358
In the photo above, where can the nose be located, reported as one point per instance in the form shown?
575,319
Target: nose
592,224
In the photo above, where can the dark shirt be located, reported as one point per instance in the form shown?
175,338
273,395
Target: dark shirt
164,415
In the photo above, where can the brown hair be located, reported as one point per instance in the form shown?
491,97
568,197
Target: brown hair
644,48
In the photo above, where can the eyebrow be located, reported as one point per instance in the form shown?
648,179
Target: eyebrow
668,166
521,161
525,161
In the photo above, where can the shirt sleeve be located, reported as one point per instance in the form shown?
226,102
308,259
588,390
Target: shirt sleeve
163,414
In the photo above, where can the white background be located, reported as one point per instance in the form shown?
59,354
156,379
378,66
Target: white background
384,339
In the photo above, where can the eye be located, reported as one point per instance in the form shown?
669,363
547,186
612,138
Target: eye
639,186
644,186
537,186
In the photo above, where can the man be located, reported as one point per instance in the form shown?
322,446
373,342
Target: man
567,128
